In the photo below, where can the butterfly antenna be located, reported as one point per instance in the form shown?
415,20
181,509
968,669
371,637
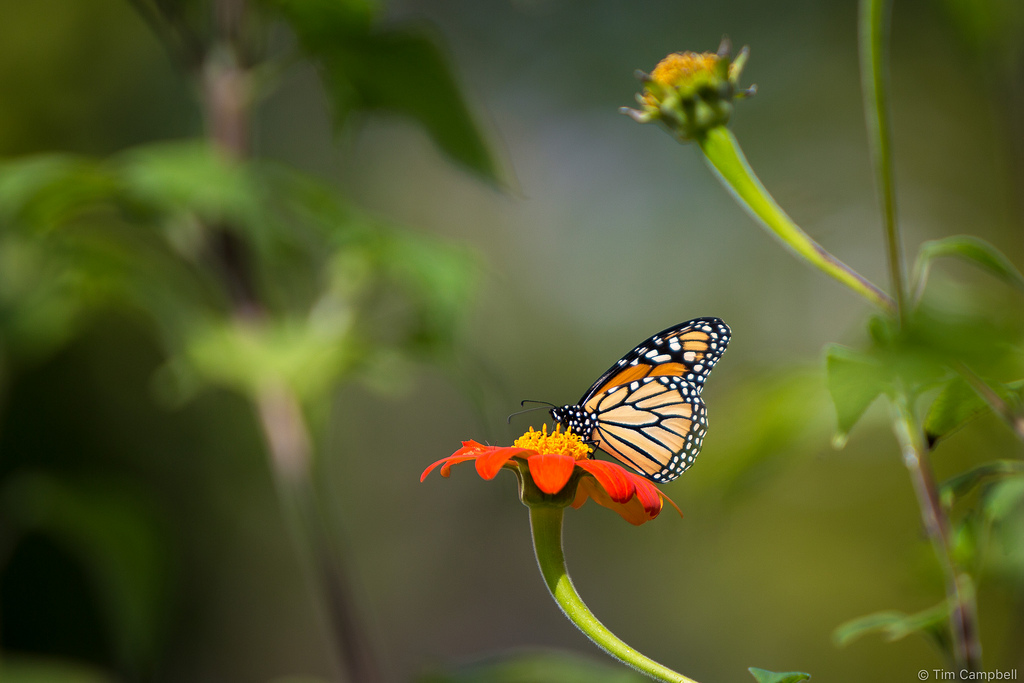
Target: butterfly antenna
542,406
543,403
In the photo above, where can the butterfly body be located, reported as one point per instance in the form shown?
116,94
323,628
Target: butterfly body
646,409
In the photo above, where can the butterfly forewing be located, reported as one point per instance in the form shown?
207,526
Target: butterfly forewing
646,409
689,350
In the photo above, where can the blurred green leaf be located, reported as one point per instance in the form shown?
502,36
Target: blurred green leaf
766,676
189,181
23,669
41,192
970,249
855,379
439,278
960,485
942,333
41,301
399,70
893,625
958,403
1004,497
1004,556
964,542
535,667
114,533
249,358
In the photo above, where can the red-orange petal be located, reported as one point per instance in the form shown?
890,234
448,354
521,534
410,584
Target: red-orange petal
446,465
612,478
471,448
551,471
632,510
647,494
646,491
490,463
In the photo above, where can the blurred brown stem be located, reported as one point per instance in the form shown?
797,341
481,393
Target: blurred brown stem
291,453
963,616
227,99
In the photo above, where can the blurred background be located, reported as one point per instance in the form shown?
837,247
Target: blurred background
601,233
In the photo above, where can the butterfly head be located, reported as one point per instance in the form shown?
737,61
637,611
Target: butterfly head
575,418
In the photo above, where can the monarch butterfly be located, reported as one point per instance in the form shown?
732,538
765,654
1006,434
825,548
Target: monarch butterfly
646,410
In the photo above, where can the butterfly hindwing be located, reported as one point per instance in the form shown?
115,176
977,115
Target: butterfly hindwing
688,350
656,425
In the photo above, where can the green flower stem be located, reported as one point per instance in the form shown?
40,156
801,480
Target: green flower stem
723,154
874,33
546,522
963,613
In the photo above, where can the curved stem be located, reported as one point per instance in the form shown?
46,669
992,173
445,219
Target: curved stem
546,523
723,154
963,615
874,34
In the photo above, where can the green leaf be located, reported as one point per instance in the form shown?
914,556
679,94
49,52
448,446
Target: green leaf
190,177
893,625
115,535
958,403
1004,497
398,70
535,667
960,485
766,676
41,192
440,280
306,357
855,380
971,249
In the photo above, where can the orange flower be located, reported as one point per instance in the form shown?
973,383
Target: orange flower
556,470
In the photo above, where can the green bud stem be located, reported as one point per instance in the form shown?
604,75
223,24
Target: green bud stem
546,522
723,154
874,36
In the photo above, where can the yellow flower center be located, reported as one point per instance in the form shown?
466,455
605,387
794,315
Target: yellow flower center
682,68
564,443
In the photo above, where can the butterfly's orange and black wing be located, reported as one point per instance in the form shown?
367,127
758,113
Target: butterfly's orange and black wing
656,425
688,350
646,410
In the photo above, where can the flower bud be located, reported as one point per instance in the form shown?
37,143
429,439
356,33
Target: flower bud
690,92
